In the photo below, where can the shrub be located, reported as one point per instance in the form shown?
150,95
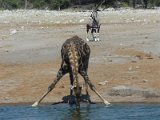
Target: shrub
39,3
11,4
60,4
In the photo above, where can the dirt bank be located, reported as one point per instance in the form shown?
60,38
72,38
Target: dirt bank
30,42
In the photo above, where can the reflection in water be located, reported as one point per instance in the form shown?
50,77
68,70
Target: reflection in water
86,112
80,114
63,112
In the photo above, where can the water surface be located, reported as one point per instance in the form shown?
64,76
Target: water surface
87,112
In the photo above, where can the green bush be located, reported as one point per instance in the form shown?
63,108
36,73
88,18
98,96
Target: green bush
124,4
39,3
155,2
59,4
11,4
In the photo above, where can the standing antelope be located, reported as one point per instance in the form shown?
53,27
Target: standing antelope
75,57
94,26
94,23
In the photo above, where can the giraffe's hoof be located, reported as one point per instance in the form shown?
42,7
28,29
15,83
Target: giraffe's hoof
35,104
106,103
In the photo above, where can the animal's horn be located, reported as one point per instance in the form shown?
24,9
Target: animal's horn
99,4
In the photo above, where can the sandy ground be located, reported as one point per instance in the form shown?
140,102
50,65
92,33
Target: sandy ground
30,42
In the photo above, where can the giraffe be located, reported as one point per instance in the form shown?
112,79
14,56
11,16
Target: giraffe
75,55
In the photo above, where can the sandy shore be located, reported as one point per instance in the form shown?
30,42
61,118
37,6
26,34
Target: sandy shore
127,55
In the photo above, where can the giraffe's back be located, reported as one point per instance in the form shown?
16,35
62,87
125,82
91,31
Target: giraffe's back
81,47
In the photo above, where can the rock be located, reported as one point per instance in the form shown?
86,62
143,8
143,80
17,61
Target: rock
13,31
134,61
122,91
22,27
146,37
62,86
149,56
145,80
102,83
137,67
125,91
130,68
81,20
109,60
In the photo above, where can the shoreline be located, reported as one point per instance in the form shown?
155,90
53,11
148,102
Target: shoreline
55,103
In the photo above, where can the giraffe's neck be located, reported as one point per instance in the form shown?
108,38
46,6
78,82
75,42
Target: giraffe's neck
73,57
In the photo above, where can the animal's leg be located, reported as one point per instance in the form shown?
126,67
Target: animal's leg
93,34
86,78
87,30
86,85
97,32
87,94
62,71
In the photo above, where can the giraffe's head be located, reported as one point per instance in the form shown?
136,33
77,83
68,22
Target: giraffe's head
77,91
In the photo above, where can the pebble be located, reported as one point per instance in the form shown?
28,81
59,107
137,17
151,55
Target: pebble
13,31
103,83
130,68
137,67
145,80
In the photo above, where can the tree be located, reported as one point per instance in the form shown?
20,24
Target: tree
26,3
60,4
11,4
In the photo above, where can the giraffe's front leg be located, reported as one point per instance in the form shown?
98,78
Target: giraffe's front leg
86,78
63,70
87,96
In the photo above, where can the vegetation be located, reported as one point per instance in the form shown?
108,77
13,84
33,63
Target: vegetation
62,4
